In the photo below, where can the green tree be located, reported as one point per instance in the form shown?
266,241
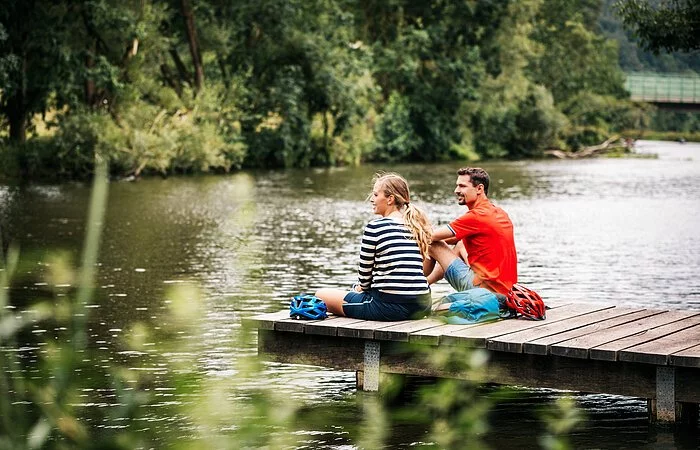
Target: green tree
428,54
576,57
306,78
120,88
171,86
670,25
633,57
580,67
396,138
514,116
30,51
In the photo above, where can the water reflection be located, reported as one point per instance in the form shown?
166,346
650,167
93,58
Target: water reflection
621,230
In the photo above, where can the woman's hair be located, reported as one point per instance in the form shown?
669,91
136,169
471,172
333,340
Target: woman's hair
414,218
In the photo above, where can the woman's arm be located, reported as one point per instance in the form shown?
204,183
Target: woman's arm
366,265
435,275
428,265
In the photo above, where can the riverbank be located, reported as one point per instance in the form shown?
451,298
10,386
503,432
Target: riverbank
672,136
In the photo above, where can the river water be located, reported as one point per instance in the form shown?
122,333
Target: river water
597,230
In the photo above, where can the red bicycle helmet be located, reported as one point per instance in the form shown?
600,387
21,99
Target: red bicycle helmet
525,302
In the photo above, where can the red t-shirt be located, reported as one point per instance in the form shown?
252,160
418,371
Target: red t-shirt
487,233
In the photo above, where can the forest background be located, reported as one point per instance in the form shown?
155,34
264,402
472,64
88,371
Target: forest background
182,86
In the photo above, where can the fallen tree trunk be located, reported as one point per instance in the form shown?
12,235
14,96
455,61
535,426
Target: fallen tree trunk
612,144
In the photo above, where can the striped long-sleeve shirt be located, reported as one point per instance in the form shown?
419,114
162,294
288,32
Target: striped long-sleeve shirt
390,260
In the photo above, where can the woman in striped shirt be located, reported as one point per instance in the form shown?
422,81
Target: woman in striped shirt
392,285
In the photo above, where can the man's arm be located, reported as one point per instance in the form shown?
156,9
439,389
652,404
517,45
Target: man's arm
444,233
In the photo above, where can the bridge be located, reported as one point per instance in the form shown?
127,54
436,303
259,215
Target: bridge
680,92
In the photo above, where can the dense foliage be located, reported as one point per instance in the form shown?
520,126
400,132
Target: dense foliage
645,57
163,86
671,25
633,56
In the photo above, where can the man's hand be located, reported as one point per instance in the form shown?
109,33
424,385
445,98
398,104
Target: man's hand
451,241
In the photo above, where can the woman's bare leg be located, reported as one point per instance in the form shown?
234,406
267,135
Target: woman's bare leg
334,299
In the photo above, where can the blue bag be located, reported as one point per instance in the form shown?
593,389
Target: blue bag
471,306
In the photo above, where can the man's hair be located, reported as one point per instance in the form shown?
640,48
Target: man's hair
477,176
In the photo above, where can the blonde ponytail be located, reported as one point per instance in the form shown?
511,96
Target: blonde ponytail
419,224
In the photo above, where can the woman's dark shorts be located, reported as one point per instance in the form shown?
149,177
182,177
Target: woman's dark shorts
369,306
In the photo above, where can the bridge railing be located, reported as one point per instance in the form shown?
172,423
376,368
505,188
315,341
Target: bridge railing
663,88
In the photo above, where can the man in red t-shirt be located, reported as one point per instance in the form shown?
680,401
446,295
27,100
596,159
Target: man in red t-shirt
484,237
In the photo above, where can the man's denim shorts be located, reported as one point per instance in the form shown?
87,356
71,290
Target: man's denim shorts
460,276
368,306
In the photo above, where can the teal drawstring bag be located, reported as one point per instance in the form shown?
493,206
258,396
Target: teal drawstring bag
466,307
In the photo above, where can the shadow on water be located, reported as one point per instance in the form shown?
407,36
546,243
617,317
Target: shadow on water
598,230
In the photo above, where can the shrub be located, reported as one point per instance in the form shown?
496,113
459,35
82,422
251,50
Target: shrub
395,136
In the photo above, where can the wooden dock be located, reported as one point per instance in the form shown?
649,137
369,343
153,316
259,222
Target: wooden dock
597,348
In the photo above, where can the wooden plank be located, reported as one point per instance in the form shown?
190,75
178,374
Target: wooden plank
556,303
536,371
328,327
542,345
295,348
477,336
365,329
579,347
610,351
265,321
689,357
292,325
401,332
432,336
514,342
657,351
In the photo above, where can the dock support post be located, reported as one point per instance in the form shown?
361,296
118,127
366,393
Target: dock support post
370,374
687,414
664,409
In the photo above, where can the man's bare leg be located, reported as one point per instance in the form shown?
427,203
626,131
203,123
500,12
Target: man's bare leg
444,255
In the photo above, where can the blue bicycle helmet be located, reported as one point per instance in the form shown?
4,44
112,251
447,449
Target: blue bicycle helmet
308,307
